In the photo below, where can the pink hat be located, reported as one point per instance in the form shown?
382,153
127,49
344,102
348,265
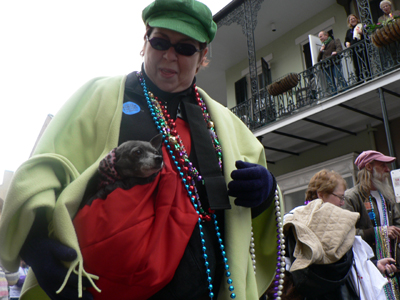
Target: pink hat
370,155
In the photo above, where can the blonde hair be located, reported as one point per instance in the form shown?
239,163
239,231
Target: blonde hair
324,182
364,181
348,20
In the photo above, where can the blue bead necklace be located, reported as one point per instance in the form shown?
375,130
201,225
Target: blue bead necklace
385,221
188,173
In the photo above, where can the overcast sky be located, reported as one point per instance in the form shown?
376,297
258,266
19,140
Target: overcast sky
49,49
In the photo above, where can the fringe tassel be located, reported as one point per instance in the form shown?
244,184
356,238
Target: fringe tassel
81,272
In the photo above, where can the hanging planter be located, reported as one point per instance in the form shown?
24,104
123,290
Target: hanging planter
377,39
394,29
385,34
286,83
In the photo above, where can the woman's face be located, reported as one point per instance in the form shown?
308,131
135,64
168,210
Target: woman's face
386,8
170,71
353,21
336,197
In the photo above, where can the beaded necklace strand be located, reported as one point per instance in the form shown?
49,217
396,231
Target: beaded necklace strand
378,236
383,248
280,265
188,173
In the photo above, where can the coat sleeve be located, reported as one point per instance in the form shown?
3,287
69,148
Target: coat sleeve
353,203
319,58
12,277
72,142
347,39
338,45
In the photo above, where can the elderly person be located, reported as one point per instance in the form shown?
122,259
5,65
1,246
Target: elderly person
353,35
388,14
325,258
177,237
373,198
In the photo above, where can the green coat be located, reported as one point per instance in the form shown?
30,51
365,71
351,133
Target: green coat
80,135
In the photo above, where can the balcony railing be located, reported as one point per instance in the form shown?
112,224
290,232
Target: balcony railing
335,75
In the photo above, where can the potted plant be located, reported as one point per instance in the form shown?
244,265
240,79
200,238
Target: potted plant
382,34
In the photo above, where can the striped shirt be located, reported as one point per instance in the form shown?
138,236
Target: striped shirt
3,285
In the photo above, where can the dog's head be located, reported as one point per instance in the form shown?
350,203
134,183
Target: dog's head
139,158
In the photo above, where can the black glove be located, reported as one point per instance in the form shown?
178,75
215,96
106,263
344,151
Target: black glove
251,184
45,255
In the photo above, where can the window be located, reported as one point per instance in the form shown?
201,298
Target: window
376,11
307,55
241,90
264,78
263,75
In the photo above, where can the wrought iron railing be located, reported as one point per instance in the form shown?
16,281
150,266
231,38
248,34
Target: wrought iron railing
325,79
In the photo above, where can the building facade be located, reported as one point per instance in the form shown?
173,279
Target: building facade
308,114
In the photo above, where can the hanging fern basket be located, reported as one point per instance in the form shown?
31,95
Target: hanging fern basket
387,34
286,83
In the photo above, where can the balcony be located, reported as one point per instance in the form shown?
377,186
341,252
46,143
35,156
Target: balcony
329,78
333,110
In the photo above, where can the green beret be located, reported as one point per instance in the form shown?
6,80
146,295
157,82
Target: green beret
189,17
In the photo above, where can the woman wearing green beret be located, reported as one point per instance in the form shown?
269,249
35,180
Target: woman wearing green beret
204,228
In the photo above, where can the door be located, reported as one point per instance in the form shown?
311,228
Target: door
319,79
315,45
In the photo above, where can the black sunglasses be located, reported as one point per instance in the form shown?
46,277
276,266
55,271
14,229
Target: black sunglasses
180,48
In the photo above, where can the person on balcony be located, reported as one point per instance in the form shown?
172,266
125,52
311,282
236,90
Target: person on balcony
354,35
194,232
373,197
389,53
388,14
331,66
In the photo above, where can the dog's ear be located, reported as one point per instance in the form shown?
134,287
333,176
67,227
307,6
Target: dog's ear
156,141
121,149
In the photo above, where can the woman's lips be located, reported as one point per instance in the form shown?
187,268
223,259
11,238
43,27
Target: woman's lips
167,72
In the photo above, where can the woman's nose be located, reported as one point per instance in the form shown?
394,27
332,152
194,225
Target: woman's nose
170,54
